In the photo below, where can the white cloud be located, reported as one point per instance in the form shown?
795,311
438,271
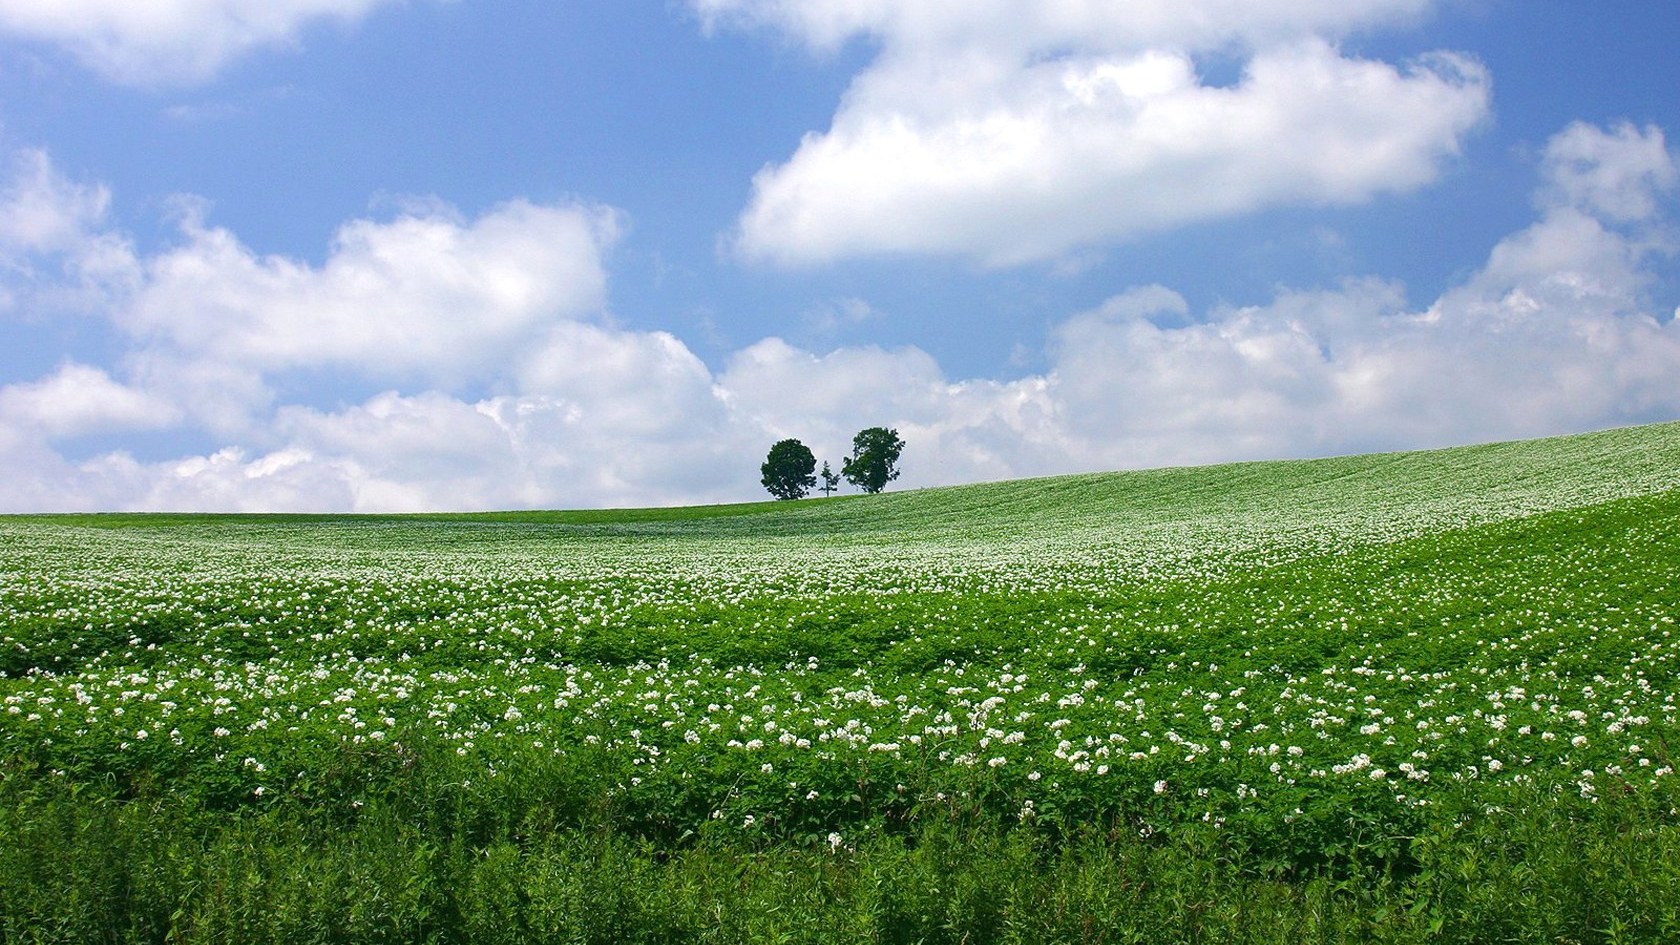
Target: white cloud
428,296
604,417
962,430
622,418
983,132
56,252
1619,174
785,388
425,295
640,383
80,399
395,452
400,452
1553,334
151,42
222,399
228,480
42,211
1071,154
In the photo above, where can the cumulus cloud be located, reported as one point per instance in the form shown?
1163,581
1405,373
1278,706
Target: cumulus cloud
399,452
56,251
209,329
1553,334
79,399
1620,174
396,452
41,210
150,42
983,132
232,479
640,422
964,430
426,294
642,383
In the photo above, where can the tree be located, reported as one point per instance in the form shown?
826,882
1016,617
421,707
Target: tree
788,470
875,452
830,479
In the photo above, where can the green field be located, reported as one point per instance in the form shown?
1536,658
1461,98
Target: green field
1404,697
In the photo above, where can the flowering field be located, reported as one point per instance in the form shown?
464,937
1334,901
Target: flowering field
1321,661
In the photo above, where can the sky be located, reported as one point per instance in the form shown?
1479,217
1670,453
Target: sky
403,255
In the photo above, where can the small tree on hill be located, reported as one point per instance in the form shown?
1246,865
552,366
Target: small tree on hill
788,470
874,459
830,479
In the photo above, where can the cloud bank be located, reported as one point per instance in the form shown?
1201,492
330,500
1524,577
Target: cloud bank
501,380
980,133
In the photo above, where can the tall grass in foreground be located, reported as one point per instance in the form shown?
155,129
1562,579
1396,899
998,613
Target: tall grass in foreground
1543,870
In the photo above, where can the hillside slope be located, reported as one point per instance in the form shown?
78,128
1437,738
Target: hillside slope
1274,675
1083,530
1482,481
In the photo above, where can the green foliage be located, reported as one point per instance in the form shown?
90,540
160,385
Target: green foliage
74,871
874,459
1407,698
789,470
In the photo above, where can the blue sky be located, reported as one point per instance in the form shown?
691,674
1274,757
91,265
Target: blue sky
409,254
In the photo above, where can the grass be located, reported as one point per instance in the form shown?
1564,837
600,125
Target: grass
1405,698
151,872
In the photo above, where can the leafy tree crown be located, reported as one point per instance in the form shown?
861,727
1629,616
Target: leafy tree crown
874,459
790,470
